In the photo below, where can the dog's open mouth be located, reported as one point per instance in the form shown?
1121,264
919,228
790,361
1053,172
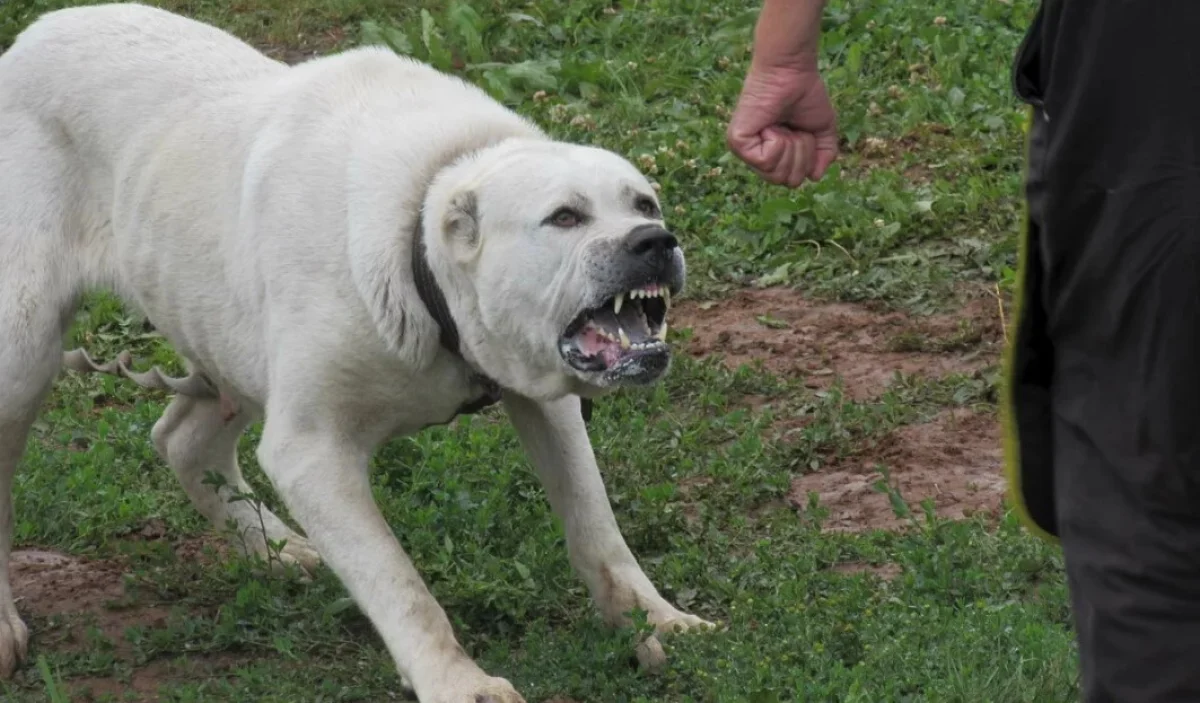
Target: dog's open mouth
627,326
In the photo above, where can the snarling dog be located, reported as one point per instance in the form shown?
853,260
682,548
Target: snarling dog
350,249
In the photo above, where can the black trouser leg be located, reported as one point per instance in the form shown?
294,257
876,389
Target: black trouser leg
1108,440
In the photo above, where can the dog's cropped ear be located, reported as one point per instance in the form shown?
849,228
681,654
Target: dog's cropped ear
462,218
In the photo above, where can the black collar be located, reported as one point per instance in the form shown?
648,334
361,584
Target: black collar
435,302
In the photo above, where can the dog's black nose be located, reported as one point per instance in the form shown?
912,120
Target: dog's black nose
650,240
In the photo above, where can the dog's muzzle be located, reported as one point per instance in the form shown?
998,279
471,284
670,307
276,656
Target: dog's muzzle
623,338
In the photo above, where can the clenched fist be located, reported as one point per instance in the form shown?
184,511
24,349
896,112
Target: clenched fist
784,126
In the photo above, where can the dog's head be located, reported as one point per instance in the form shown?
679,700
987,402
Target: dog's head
560,264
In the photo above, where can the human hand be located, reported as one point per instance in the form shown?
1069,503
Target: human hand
784,126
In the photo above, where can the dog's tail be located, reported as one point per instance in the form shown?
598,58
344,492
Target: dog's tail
194,384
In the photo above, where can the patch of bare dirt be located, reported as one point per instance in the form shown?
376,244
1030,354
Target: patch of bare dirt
793,336
302,48
143,685
145,682
887,572
52,583
77,594
877,152
955,460
871,152
48,583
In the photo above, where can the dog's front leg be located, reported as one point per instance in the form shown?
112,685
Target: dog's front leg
323,477
556,438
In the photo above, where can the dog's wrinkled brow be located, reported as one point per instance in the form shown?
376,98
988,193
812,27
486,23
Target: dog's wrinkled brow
632,194
579,202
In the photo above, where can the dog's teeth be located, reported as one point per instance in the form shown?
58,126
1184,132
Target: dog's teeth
617,301
666,296
624,338
661,334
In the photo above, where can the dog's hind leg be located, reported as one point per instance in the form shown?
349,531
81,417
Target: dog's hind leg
29,357
39,282
198,435
28,364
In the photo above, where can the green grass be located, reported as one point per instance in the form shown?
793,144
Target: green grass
925,200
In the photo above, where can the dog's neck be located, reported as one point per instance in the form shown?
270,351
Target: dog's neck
435,302
431,293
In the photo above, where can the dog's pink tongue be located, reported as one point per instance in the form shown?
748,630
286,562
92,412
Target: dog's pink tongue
591,343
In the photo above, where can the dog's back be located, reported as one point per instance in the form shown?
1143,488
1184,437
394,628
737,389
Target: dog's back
96,72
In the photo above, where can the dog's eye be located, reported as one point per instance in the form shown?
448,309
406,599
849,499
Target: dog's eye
565,217
647,207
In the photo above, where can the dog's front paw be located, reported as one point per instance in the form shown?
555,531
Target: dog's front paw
650,653
674,621
14,641
485,689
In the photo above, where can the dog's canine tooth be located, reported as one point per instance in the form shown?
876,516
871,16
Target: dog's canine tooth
661,334
666,296
617,301
624,338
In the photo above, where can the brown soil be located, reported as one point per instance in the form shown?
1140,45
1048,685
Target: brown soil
48,583
301,49
954,460
820,342
144,682
871,153
887,572
78,594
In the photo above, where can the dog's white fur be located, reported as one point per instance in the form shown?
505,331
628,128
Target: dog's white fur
261,217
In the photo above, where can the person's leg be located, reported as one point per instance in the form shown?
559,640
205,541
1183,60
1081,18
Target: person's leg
1126,404
1118,274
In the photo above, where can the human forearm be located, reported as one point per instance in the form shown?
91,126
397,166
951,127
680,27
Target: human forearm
788,33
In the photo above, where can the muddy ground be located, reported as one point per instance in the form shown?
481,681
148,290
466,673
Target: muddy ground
954,460
79,598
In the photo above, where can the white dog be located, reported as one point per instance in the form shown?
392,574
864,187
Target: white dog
264,219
